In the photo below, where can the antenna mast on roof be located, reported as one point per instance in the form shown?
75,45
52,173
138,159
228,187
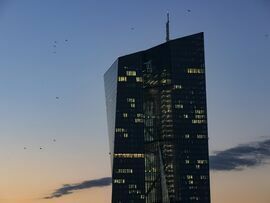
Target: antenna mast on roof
168,27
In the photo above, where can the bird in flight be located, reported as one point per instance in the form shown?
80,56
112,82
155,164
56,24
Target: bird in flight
188,10
56,97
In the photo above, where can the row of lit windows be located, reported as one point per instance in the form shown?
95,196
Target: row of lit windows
124,79
195,70
120,130
131,156
202,161
119,181
131,73
124,170
178,106
134,192
202,177
199,116
198,121
139,115
138,120
177,86
131,100
199,111
187,136
197,166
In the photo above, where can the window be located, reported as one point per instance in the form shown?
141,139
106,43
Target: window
139,79
122,79
131,73
195,70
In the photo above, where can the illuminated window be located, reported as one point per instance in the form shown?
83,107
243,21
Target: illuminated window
198,121
186,136
202,161
139,79
120,130
187,161
124,170
189,177
131,73
125,135
132,105
138,120
178,106
199,111
132,186
201,136
131,100
203,177
125,115
130,156
119,181
122,78
199,116
195,70
177,86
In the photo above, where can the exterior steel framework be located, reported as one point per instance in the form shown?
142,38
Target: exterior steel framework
157,123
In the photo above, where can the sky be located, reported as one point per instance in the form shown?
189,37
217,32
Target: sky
53,55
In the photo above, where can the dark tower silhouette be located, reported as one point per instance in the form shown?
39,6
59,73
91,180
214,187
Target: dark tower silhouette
157,123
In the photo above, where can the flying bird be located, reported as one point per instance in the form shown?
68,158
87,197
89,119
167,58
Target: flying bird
66,40
54,140
132,28
40,148
56,97
188,10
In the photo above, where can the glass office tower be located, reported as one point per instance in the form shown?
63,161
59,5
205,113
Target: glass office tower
157,123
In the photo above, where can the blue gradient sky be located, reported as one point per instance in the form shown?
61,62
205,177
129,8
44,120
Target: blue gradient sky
237,45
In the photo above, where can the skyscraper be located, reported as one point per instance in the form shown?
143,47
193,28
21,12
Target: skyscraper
157,123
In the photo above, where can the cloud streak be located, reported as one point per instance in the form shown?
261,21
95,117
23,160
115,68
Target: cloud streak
242,156
70,188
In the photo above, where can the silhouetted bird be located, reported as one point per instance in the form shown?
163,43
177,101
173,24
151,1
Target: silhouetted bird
55,42
54,140
188,10
24,148
132,28
266,35
40,148
66,40
56,97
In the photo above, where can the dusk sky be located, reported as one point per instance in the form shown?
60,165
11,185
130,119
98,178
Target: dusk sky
53,54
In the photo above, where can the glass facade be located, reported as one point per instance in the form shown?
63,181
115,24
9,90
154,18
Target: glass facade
157,121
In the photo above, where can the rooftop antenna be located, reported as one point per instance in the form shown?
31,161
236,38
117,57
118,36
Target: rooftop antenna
168,27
